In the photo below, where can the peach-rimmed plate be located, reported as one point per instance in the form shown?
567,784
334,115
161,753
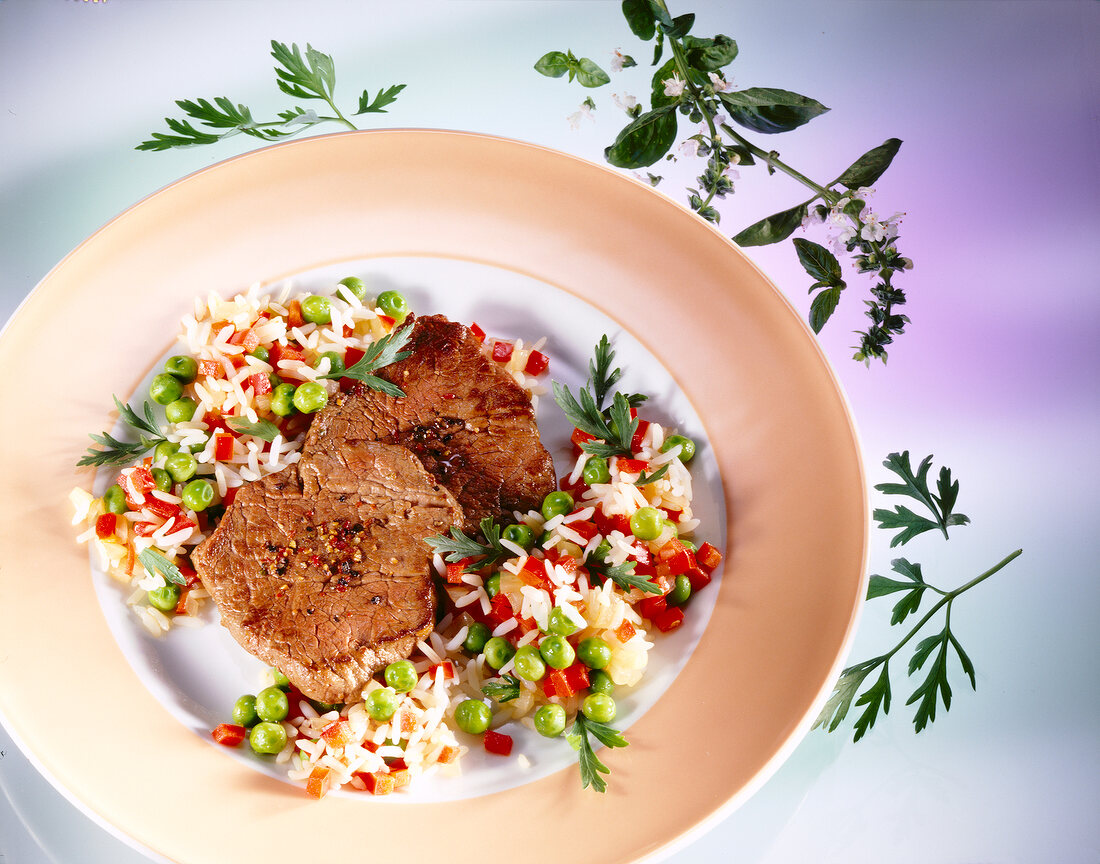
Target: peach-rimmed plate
775,421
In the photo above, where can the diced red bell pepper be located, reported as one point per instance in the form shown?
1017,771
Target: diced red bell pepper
294,317
279,352
498,743
338,734
105,526
536,363
502,351
260,383
639,434
446,667
223,446
230,495
566,682
353,356
676,556
145,529
668,620
586,529
500,610
534,574
377,782
455,571
135,483
478,332
607,524
181,604
580,437
448,754
632,466
698,578
229,734
164,509
708,557
652,605
387,321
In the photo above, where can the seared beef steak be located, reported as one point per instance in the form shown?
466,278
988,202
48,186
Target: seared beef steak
322,569
465,418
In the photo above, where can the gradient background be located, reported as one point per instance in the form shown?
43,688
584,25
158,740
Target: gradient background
997,105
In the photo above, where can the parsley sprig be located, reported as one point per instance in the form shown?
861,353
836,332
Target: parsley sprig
459,546
591,766
613,427
935,686
622,575
503,689
379,354
115,452
304,76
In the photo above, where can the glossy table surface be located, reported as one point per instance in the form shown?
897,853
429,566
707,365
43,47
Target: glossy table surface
997,376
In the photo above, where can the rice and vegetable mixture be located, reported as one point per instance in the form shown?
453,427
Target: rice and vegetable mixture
543,620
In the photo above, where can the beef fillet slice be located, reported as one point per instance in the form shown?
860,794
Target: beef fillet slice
322,571
466,419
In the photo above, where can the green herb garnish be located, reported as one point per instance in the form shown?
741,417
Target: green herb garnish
591,766
265,430
645,479
379,354
459,546
935,687
117,452
154,562
312,76
622,575
503,689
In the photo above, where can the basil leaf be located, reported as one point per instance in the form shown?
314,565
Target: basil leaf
644,141
553,64
657,97
589,74
871,165
710,55
639,17
681,25
768,110
818,261
823,307
778,226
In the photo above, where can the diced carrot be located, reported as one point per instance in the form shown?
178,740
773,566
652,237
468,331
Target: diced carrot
708,557
502,351
625,631
229,734
181,604
498,743
401,777
478,332
105,526
536,363
377,782
318,781
448,754
294,317
338,734
408,722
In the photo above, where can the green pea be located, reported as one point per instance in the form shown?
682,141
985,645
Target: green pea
529,664
310,397
281,681
688,544
166,598
599,707
197,495
492,585
162,479
401,676
594,652
394,305
557,652
267,738
687,446
550,720
645,523
315,309
381,704
600,682
282,400
596,470
498,651
260,353
355,285
165,449
519,534
473,716
114,499
556,504
165,388
335,362
182,466
272,704
181,410
680,592
182,367
559,623
476,637
198,446
244,711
